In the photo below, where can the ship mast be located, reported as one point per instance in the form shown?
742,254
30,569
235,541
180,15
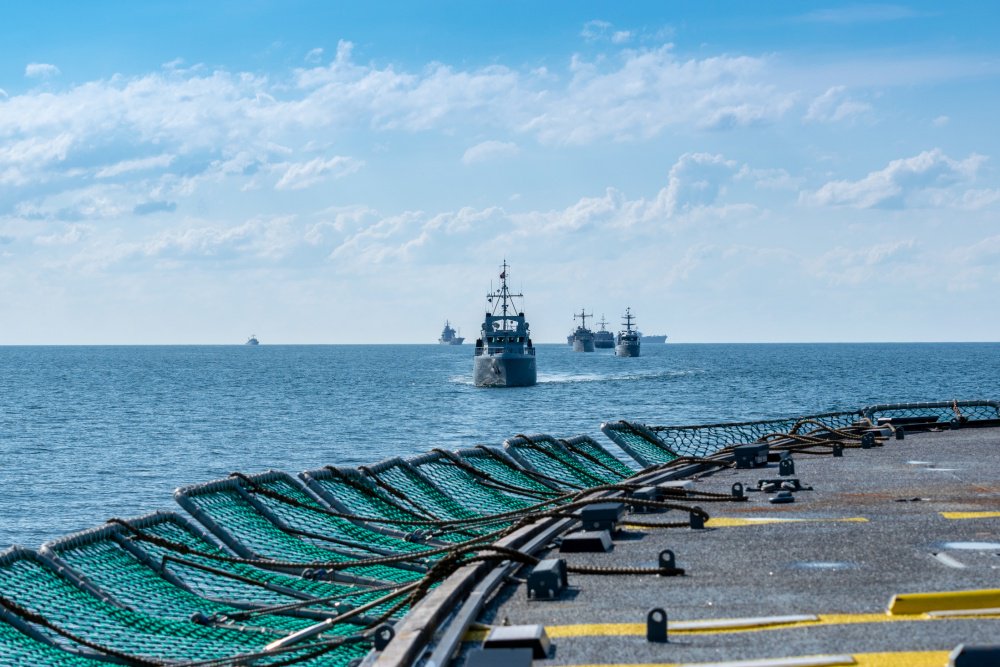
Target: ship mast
628,319
583,316
503,296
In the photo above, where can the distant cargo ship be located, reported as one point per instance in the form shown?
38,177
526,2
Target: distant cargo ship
449,336
653,339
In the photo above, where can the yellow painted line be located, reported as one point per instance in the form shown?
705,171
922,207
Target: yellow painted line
727,626
970,515
733,522
730,522
919,603
900,659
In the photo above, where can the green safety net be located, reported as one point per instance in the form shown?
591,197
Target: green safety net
244,524
18,649
651,445
943,412
500,466
555,460
240,583
355,535
34,585
459,483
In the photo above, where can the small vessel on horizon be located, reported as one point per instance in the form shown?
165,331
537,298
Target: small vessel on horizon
627,342
504,354
655,339
449,336
604,339
583,338
252,340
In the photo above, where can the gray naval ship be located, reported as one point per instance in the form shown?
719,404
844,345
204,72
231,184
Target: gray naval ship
627,343
504,356
583,338
603,339
449,336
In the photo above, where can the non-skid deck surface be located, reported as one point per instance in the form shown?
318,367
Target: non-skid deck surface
915,515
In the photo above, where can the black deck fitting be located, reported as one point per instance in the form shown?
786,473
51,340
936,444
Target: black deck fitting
383,635
519,636
697,518
547,579
974,656
602,516
786,466
656,626
738,490
586,541
751,456
867,440
499,657
838,450
782,497
900,433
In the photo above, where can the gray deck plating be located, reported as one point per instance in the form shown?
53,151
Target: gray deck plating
869,529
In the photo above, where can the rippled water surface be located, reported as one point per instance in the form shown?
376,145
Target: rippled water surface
87,433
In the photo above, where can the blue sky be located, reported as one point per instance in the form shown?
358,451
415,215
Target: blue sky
317,172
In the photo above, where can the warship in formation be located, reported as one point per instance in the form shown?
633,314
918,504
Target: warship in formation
654,339
604,339
252,340
449,336
627,342
582,337
504,354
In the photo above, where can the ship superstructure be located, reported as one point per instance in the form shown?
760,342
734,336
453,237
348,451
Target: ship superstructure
627,342
505,356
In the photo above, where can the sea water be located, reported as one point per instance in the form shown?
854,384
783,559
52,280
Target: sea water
88,433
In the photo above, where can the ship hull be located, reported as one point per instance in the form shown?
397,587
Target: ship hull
604,342
655,340
453,341
584,345
505,370
627,350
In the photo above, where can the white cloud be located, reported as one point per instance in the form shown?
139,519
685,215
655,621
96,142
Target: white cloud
834,105
621,37
40,71
696,179
73,235
941,121
314,56
140,164
301,175
595,30
854,266
489,150
926,175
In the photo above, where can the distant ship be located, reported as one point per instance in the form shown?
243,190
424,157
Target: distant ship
603,339
583,338
627,342
252,340
655,339
504,355
448,336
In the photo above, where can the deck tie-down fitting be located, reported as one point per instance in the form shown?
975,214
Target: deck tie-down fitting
656,626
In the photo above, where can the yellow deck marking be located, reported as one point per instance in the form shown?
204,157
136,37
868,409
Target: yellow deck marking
919,603
730,522
901,659
970,515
